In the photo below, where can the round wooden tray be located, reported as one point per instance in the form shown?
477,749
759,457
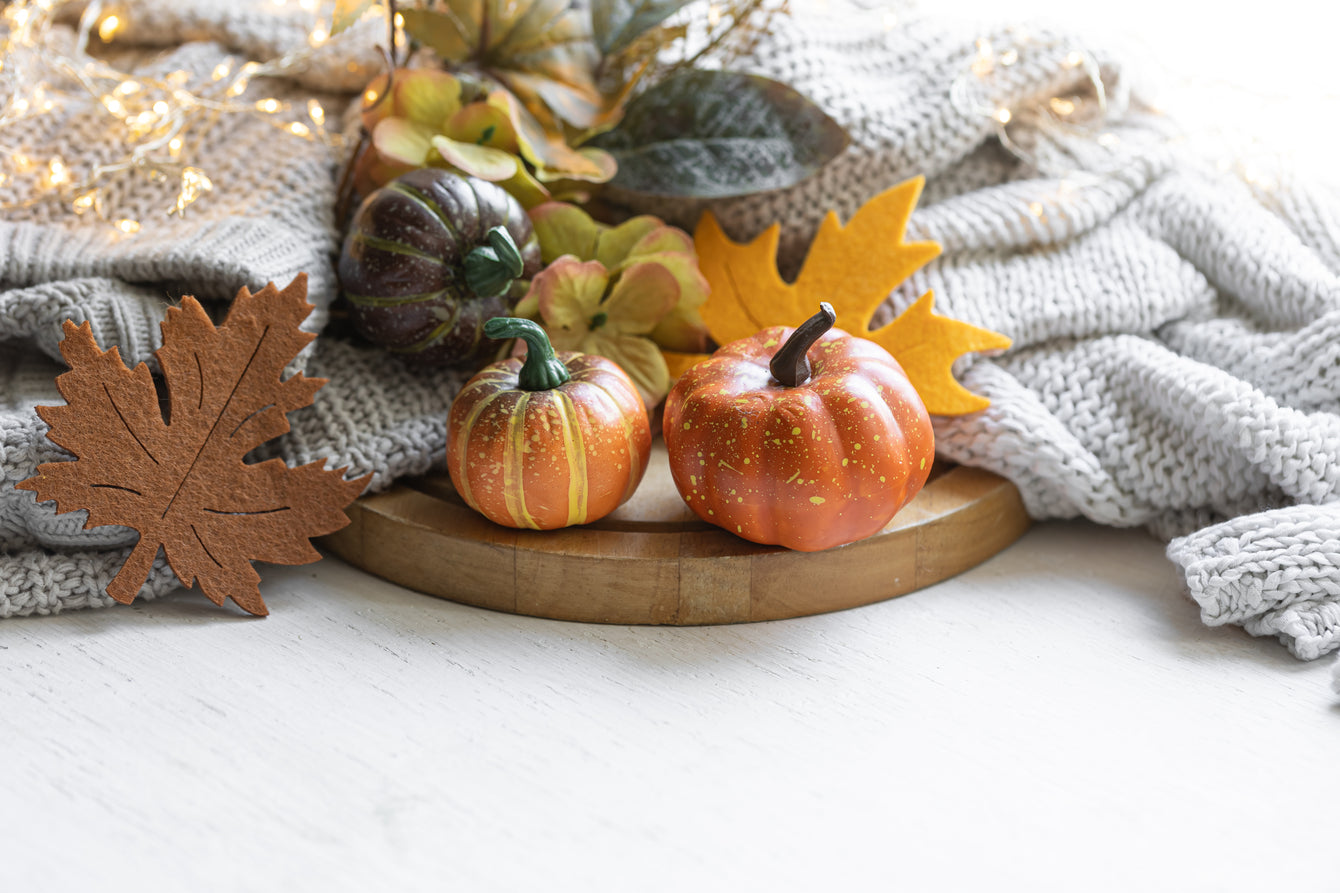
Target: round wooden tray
654,562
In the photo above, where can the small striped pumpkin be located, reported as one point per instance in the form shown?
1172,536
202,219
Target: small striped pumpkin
406,269
562,439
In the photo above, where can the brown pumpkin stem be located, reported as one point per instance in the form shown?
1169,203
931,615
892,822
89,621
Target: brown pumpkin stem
791,364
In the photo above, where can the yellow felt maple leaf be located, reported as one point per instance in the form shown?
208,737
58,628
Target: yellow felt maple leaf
852,267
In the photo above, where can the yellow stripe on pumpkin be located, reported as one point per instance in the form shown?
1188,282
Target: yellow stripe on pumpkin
463,444
575,451
514,472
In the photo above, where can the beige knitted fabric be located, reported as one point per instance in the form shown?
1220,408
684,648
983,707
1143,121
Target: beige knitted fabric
1175,360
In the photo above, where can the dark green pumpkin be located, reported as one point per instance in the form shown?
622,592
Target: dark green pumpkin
415,249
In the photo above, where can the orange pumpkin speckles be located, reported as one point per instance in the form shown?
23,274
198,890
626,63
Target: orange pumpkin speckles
558,441
825,461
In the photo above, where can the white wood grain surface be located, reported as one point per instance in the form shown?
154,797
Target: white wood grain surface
1057,718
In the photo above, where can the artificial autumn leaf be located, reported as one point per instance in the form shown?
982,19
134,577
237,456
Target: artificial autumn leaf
853,268
182,482
540,50
433,118
926,345
346,13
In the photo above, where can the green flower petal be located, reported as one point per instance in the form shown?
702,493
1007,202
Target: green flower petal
661,240
682,330
425,95
638,357
478,161
595,166
565,229
569,292
693,285
614,245
644,294
529,306
401,141
554,157
483,125
526,189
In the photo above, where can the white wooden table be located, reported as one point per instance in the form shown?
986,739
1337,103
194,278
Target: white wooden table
1057,718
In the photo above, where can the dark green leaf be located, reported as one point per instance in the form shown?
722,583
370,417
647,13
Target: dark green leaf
617,23
717,134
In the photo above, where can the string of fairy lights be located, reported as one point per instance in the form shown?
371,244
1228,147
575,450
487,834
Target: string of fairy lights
1080,110
1215,121
152,119
47,68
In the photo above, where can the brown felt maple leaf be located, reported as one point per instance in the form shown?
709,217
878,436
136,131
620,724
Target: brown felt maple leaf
853,268
182,482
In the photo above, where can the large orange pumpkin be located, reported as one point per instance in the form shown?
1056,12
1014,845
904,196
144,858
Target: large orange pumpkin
806,438
562,439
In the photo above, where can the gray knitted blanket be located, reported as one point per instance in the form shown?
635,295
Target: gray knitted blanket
1177,328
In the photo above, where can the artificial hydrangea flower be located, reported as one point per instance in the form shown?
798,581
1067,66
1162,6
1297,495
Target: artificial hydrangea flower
432,118
626,292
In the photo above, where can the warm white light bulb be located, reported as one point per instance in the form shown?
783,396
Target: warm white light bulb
107,28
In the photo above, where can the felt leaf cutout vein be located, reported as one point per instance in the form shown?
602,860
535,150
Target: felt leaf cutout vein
182,481
854,268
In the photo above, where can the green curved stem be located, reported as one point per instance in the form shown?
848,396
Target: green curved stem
490,269
791,364
542,370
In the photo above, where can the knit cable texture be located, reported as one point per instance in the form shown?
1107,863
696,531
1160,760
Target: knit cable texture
1177,330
